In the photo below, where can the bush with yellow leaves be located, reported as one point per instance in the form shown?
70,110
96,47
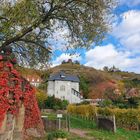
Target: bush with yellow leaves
41,98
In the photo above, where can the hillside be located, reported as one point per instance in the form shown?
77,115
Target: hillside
90,78
94,83
27,71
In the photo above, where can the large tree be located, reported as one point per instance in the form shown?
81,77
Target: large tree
27,25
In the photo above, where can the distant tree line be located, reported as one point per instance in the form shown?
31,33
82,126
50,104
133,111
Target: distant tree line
70,62
112,69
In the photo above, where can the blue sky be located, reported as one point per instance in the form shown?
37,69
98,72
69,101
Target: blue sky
120,48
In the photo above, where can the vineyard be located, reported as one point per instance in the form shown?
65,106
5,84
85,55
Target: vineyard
125,118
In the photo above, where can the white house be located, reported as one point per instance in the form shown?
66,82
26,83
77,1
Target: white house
64,86
33,79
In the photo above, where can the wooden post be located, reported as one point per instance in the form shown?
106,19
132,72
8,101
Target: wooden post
59,123
68,122
114,123
96,118
138,127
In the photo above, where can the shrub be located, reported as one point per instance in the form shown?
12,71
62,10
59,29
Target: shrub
83,103
55,103
64,104
133,102
105,103
57,134
60,134
82,110
50,136
41,98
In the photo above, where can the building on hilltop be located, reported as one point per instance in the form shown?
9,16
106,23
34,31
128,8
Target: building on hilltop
64,87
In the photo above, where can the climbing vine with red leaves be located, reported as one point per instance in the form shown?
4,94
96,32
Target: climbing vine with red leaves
14,91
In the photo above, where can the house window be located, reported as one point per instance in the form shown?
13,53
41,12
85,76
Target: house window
62,88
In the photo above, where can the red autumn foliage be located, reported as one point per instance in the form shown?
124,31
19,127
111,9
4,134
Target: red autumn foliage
100,89
1,57
15,90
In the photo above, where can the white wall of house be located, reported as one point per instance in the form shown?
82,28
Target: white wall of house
36,84
50,89
63,90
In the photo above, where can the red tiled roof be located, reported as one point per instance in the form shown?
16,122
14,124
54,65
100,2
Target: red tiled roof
35,78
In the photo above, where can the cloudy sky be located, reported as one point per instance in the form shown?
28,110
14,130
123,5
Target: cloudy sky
120,48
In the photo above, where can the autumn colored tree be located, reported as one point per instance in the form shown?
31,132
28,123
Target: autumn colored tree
41,97
27,25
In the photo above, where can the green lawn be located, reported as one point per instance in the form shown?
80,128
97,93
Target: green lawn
77,122
119,135
92,130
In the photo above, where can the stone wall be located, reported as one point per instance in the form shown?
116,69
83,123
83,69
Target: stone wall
12,127
52,125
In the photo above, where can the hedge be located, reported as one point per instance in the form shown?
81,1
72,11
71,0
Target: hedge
125,118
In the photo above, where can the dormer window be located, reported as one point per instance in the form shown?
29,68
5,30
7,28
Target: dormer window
62,76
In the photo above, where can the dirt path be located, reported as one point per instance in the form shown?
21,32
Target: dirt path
81,133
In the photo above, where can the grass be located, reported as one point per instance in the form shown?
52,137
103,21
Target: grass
77,122
91,130
119,135
75,137
98,134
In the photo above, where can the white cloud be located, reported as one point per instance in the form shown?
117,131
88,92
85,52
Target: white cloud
132,42
108,55
128,30
65,57
130,22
